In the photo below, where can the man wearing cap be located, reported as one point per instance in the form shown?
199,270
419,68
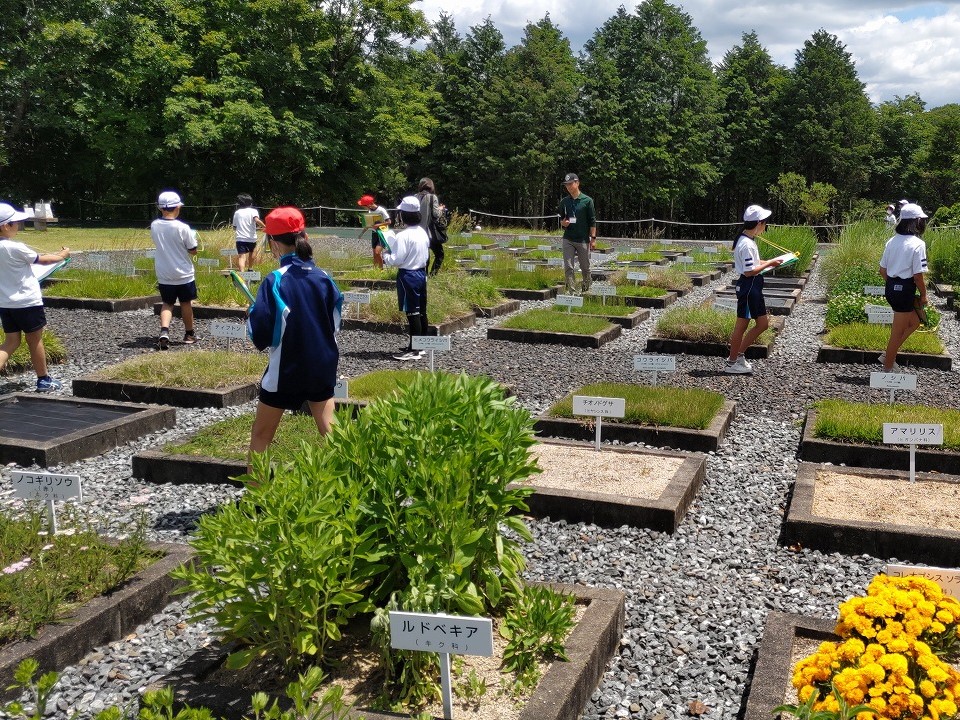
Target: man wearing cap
409,253
175,243
579,221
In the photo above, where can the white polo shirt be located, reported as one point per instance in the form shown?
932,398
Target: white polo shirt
245,223
746,256
904,256
19,287
173,238
410,248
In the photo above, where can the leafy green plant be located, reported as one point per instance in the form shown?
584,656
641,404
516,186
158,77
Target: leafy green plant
701,323
805,711
943,254
858,249
546,320
863,422
472,688
854,279
799,240
646,405
846,307
53,347
869,336
535,628
40,689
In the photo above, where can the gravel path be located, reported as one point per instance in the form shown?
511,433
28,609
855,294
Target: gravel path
696,600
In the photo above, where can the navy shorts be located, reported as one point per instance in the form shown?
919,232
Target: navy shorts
245,247
901,293
171,293
750,302
294,401
412,291
27,320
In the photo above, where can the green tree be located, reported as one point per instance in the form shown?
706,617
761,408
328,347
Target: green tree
799,201
939,163
902,128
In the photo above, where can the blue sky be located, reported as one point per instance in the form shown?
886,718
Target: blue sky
898,47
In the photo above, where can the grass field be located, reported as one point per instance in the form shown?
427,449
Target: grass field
862,422
661,406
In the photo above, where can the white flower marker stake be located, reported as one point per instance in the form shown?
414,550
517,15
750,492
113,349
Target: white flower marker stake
524,239
48,487
654,364
445,635
604,290
229,254
893,382
228,330
569,301
599,407
341,391
637,277
360,298
431,343
912,434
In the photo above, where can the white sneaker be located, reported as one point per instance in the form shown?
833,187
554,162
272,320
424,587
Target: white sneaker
893,369
882,359
411,355
742,359
738,368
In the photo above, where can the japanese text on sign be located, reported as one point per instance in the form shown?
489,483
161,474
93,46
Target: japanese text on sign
555,262
640,276
474,246
599,406
250,275
46,486
874,290
912,434
526,267
893,381
685,259
227,252
441,633
603,289
712,249
218,328
655,363
357,297
430,342
880,317
569,300
545,248
948,580
208,262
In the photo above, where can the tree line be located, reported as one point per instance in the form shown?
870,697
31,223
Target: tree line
105,102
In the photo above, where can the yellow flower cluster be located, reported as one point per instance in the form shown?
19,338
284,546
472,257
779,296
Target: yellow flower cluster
889,656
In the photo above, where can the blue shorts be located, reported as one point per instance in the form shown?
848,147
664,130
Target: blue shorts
184,293
901,293
750,302
294,401
412,291
245,247
26,320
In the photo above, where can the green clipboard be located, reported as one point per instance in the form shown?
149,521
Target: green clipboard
42,272
239,284
788,259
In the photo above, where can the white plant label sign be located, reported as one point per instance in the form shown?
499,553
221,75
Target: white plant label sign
555,262
712,249
46,486
569,300
685,259
228,252
458,634
947,579
725,304
655,363
880,317
233,331
526,267
208,262
430,342
604,289
637,276
893,381
874,290
545,248
250,275
599,406
363,298
486,258
474,246
341,390
912,434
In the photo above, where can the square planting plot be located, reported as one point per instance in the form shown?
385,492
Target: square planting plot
830,354
103,305
819,450
787,638
523,294
561,694
54,430
671,346
880,513
447,327
653,302
615,486
699,279
785,283
627,322
93,387
583,428
504,308
103,619
777,303
596,340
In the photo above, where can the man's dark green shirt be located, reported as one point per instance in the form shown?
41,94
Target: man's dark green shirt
581,208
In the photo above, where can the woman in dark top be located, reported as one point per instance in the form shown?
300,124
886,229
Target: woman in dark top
430,210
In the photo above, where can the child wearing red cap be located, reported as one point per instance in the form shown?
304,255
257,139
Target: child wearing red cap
377,218
295,318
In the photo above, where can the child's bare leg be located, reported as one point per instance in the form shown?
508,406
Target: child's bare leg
265,425
323,414
38,356
763,322
10,344
186,312
166,315
243,261
736,338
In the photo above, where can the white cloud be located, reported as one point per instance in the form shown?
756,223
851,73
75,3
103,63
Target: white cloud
893,56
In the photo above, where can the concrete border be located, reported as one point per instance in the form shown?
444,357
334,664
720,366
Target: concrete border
699,279
523,294
125,391
597,340
209,312
672,346
773,670
562,693
142,419
705,440
665,300
156,466
663,514
505,308
141,302
831,354
448,327
912,543
102,620
818,450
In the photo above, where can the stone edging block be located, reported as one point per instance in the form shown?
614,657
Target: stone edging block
830,354
102,620
103,305
447,327
505,308
855,537
596,340
524,294
122,390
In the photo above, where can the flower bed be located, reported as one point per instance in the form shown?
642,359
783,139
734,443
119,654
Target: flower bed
546,326
702,330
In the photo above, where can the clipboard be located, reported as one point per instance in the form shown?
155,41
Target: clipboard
240,285
787,258
42,272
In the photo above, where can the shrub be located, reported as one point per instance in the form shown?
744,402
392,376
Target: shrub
943,253
859,247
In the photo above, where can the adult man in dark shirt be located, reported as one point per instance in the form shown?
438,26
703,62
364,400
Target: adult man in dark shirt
579,221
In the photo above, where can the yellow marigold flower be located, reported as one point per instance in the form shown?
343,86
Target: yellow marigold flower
878,704
944,707
926,608
937,627
915,703
873,672
898,645
884,636
945,616
894,662
927,689
804,693
937,674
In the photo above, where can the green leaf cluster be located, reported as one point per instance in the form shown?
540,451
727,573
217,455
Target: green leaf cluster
535,628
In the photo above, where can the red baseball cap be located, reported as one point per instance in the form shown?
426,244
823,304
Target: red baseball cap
284,220
367,200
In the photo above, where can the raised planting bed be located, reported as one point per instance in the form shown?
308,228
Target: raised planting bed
546,326
561,694
524,294
628,320
616,486
368,283
504,308
786,639
790,293
102,620
831,354
700,333
57,430
699,279
776,283
821,449
946,291
102,304
875,512
777,303
447,327
208,312
687,419
665,299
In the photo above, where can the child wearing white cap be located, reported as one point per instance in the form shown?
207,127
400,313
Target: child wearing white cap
175,243
750,301
21,304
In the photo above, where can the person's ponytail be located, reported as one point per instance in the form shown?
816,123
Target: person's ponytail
303,248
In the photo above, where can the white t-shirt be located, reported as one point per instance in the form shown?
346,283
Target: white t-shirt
245,223
746,256
904,256
173,239
19,287
410,248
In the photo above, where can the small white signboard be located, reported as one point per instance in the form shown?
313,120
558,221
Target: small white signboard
686,259
48,487
874,290
474,246
486,258
912,434
150,253
545,248
208,262
599,258
526,267
868,307
605,289
947,579
712,249
250,275
431,343
655,363
637,276
339,254
524,238
599,407
729,304
555,262
893,381
229,330
882,316
228,252
569,301
341,390
356,297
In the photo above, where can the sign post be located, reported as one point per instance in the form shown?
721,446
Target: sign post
603,290
431,343
947,579
637,277
445,635
48,487
228,330
893,382
724,303
912,434
341,391
360,298
599,407
654,364
229,253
